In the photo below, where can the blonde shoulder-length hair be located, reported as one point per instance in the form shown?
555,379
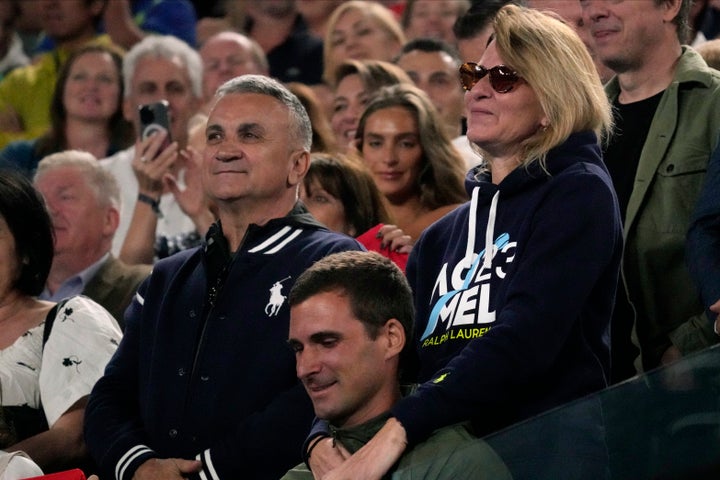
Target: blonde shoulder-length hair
381,15
556,64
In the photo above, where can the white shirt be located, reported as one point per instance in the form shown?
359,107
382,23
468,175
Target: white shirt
18,466
83,338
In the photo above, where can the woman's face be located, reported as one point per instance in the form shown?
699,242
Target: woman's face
347,107
498,122
325,207
359,36
9,265
92,90
392,150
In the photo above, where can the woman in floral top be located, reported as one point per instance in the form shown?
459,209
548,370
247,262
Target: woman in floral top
50,355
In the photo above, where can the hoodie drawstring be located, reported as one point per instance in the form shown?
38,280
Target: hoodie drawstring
490,232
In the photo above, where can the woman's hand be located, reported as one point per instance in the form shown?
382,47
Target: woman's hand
394,239
325,457
376,458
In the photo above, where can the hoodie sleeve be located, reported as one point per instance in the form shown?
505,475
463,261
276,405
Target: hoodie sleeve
566,274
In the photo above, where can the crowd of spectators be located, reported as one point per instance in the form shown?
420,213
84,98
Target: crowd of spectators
400,145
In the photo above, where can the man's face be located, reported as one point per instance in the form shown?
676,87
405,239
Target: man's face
437,74
434,19
225,58
273,8
571,12
156,79
250,150
81,223
471,49
341,367
624,32
64,20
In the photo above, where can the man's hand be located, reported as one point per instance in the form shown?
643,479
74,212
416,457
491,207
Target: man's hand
151,163
715,308
191,197
166,469
672,354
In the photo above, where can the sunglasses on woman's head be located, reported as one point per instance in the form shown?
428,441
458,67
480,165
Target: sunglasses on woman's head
502,78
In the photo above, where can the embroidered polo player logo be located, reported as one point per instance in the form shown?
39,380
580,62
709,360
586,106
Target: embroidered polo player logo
276,298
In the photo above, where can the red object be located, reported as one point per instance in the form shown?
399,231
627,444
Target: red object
74,474
397,8
370,241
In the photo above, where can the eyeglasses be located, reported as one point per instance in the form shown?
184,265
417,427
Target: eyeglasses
502,78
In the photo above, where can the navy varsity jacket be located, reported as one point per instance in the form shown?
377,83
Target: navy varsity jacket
204,370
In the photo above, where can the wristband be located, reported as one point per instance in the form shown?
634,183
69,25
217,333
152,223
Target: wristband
154,204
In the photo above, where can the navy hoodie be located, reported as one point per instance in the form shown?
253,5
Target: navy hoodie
503,336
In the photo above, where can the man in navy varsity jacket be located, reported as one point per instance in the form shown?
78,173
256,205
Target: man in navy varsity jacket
203,384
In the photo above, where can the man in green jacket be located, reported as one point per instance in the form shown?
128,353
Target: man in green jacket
351,315
667,104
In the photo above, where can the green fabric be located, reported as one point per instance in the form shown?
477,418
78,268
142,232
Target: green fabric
672,166
449,453
354,438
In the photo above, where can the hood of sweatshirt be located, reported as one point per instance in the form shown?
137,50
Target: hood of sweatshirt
584,147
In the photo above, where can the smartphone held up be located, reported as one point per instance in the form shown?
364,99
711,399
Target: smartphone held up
154,118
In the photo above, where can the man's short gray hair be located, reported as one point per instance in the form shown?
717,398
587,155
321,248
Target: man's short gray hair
101,181
268,86
169,48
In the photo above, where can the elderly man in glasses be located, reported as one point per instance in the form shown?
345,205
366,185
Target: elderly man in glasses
514,290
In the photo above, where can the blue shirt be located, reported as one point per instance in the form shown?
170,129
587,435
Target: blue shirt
75,284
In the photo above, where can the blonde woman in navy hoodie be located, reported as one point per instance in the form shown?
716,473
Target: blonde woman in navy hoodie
514,290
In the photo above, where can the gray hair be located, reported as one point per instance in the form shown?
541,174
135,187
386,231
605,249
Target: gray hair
169,48
101,181
256,51
268,86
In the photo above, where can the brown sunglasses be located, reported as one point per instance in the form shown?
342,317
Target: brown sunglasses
502,78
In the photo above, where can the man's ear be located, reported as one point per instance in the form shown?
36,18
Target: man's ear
395,336
112,220
300,165
671,9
